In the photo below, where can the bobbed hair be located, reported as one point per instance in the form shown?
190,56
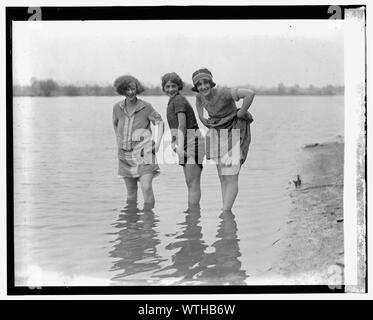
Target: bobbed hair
202,73
122,83
174,78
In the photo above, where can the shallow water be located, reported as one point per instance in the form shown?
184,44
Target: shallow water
69,228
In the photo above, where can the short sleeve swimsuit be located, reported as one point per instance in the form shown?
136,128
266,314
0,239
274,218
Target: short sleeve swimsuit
194,145
134,139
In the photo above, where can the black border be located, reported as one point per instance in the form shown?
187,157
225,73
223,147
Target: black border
172,290
143,13
9,156
178,12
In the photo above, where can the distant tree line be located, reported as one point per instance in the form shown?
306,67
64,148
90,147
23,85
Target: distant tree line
50,88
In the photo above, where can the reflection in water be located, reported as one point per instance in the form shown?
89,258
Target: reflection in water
138,260
42,204
223,266
135,246
194,265
186,261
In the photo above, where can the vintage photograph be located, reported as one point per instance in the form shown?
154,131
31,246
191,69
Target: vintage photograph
180,152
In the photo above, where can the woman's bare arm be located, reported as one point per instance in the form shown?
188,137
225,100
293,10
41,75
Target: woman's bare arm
200,113
160,131
178,145
181,117
248,96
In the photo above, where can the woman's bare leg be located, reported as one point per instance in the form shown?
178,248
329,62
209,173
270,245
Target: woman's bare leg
229,188
146,182
223,183
231,191
192,173
131,186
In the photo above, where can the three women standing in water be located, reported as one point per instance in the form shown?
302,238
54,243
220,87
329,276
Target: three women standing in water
228,135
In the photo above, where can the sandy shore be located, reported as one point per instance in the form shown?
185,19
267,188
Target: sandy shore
313,247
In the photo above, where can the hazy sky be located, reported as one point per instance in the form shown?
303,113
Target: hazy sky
256,52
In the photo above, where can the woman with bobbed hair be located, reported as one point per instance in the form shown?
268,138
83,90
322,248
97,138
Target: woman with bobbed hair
222,144
132,118
187,141
122,83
